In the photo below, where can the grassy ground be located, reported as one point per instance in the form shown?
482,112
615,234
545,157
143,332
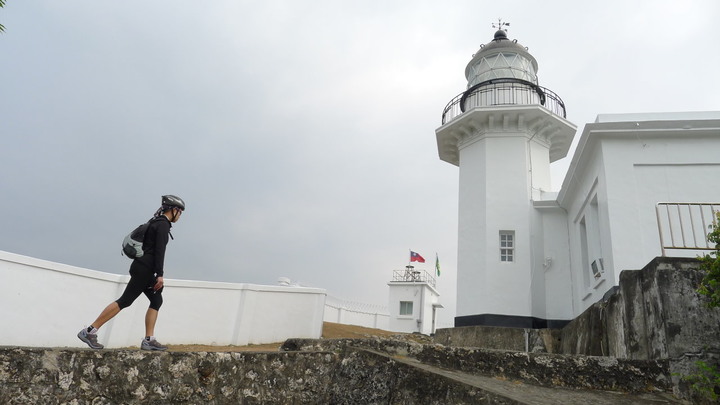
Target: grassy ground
330,331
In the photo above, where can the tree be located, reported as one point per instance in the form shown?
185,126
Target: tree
706,381
2,4
710,264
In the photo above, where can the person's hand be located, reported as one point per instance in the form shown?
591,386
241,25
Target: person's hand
158,284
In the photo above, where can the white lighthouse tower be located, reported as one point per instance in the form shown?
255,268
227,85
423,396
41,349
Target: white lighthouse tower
502,132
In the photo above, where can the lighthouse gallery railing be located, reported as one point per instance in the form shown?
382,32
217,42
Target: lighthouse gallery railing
503,92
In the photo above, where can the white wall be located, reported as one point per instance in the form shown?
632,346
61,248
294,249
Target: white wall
494,197
553,264
354,313
423,296
629,166
401,291
676,169
45,304
585,185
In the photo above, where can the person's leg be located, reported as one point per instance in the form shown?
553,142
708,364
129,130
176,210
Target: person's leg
156,300
150,320
107,314
132,291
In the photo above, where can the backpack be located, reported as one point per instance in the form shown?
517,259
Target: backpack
132,245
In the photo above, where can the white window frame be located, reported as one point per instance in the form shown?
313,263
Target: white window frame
507,246
404,308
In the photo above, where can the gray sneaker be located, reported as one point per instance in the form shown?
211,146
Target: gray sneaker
90,339
151,345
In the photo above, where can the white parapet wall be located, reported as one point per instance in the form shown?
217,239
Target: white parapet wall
355,313
45,304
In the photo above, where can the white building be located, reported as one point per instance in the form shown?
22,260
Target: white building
413,301
528,257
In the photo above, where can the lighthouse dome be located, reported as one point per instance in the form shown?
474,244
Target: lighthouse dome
502,58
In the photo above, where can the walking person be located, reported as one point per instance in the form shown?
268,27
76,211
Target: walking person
146,277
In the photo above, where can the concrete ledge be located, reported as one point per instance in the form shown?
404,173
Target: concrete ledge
500,338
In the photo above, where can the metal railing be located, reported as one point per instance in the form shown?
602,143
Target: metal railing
503,92
686,225
409,274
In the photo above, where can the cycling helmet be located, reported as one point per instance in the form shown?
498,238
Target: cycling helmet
171,201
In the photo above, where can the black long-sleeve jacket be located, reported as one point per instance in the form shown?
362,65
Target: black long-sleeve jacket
154,244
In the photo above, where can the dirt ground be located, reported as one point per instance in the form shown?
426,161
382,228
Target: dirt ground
330,331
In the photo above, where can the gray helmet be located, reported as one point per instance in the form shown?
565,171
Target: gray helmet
171,201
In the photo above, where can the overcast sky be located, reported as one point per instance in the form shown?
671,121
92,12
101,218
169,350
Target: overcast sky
301,134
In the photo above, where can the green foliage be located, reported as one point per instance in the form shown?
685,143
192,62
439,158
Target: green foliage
710,264
2,4
705,382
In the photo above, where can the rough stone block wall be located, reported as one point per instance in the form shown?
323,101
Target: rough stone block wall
654,314
343,373
550,370
366,377
82,376
72,376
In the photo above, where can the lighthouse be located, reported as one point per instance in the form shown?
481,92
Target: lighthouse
503,132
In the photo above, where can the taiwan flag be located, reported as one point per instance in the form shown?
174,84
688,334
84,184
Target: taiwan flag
414,257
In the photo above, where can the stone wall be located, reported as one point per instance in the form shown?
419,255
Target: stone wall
83,376
78,377
655,313
324,372
493,337
544,369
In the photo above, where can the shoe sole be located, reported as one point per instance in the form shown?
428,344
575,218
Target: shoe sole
152,349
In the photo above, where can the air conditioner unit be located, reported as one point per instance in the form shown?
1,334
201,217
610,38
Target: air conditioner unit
597,267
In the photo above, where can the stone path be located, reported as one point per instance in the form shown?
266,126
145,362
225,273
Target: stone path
521,393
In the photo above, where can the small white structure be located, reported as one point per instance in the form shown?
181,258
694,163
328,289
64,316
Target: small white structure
413,301
531,258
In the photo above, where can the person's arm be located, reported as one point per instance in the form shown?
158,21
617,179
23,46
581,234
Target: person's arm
161,241
159,283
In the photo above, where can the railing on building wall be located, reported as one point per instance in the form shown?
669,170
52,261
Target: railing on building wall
503,92
685,225
356,313
410,274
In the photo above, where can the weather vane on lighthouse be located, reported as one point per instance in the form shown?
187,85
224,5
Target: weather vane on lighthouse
500,24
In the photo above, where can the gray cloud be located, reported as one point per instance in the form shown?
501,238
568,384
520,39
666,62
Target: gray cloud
301,134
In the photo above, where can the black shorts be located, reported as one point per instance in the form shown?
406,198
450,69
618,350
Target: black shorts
142,281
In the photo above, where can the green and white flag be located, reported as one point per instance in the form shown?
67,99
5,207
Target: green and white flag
437,265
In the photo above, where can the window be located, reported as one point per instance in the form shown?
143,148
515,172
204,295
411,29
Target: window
507,246
406,307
